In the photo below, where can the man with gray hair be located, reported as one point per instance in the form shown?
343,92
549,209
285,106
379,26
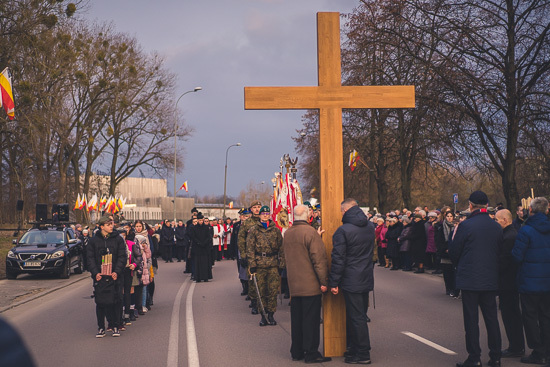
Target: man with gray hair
532,251
307,272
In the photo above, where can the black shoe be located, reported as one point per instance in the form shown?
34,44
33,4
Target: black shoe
407,269
494,363
468,363
140,312
419,271
271,320
247,298
254,311
394,268
319,359
357,360
132,317
438,271
263,321
534,358
116,332
349,353
127,321
297,358
507,353
100,333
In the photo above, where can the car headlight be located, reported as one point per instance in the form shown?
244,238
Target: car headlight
57,254
12,255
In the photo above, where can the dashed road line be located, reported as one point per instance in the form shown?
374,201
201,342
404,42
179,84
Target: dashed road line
429,343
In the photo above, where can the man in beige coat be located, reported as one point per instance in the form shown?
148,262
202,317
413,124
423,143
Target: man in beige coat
307,271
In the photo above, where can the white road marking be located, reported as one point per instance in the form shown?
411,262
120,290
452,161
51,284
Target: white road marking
429,343
192,349
173,342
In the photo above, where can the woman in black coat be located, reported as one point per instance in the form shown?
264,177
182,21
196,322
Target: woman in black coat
392,251
443,232
417,238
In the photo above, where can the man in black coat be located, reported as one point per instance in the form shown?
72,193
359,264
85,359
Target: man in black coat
507,288
180,241
107,242
352,271
475,249
167,241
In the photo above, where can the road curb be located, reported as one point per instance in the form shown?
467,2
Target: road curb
42,294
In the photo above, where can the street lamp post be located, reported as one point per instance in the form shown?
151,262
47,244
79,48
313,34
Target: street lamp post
225,177
196,89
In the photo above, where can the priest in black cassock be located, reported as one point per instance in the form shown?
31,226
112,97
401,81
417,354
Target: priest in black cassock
200,250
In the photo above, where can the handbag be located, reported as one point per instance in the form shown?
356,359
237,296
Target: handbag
105,291
135,279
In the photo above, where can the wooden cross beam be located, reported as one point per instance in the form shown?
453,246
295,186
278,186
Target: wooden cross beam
330,97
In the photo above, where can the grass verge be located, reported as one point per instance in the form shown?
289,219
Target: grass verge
5,246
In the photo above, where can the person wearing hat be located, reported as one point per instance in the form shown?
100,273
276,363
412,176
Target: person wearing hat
311,217
243,233
264,246
475,249
244,214
107,242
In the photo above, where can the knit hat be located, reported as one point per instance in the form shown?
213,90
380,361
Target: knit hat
479,198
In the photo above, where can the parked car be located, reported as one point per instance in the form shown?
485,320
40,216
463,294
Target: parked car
46,249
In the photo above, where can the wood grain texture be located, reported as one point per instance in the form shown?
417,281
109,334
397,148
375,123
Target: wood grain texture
300,98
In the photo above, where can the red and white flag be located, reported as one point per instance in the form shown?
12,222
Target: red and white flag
184,187
6,94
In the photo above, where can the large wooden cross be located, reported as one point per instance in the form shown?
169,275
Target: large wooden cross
330,97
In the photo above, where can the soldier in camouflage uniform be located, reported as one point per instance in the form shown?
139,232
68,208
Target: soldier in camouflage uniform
243,233
311,218
266,259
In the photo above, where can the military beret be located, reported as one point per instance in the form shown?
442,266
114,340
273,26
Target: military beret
308,204
265,209
479,198
256,202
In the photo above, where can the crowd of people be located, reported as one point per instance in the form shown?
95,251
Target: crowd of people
483,253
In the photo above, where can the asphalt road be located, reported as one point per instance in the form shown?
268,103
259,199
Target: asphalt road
59,328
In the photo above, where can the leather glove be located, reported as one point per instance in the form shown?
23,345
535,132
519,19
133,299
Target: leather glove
253,270
244,263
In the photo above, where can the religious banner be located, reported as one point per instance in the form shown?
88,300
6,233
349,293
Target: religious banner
286,195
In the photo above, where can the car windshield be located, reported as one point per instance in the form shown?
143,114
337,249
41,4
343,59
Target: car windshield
41,237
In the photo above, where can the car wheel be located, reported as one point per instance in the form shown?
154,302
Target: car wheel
66,272
80,268
11,275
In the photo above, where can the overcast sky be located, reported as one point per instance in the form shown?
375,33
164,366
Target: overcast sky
223,46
